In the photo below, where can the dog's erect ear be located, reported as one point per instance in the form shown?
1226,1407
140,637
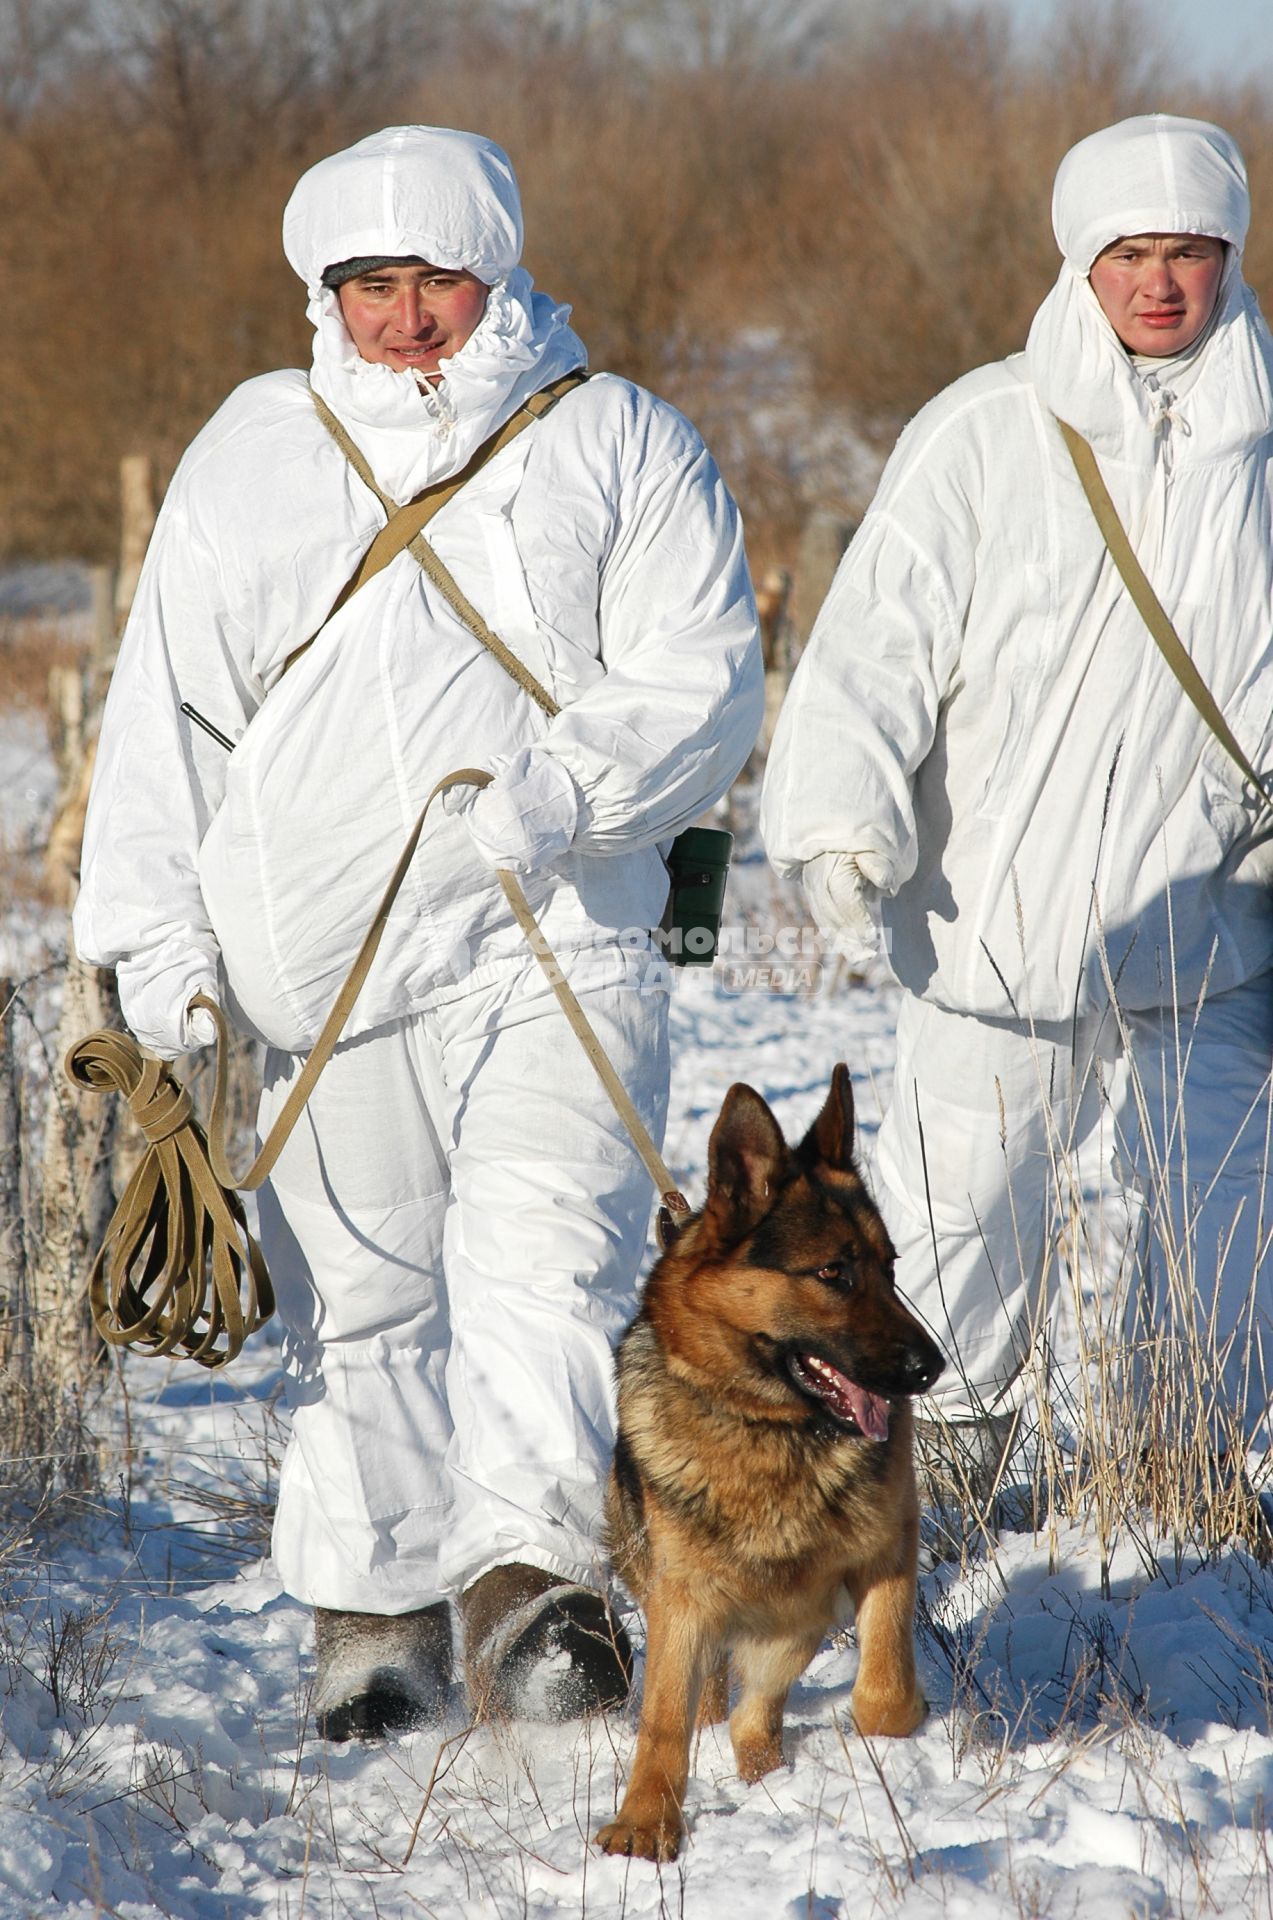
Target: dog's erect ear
747,1160
829,1141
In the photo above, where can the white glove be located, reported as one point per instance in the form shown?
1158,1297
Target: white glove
198,1027
843,891
155,991
528,815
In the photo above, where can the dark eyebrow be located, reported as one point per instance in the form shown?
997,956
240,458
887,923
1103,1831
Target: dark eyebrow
385,274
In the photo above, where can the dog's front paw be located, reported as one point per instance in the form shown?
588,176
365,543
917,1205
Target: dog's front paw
655,1835
893,1715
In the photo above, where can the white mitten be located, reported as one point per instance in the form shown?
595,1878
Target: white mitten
155,991
843,891
528,815
198,1029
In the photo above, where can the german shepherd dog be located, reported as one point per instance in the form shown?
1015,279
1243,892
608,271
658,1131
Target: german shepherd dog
763,1469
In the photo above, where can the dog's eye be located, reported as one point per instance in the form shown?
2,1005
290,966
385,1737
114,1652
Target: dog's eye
833,1271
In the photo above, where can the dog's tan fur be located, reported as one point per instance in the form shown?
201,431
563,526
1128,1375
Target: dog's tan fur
741,1513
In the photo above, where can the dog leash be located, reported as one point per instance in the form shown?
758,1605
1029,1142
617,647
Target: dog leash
1148,605
672,1200
434,567
202,1276
178,1268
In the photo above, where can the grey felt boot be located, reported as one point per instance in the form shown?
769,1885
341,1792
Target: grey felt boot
958,1466
380,1673
540,1648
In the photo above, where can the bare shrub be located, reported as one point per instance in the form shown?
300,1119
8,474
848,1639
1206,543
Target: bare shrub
723,190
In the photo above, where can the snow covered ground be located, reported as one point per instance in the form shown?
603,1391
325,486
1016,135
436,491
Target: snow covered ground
1102,1756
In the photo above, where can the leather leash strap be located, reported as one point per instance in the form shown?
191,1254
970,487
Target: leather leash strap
178,1269
202,1275
1149,606
672,1200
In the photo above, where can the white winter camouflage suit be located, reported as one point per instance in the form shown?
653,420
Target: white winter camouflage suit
986,764
455,1226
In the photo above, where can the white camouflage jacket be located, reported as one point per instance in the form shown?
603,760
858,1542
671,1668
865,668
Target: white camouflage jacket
601,545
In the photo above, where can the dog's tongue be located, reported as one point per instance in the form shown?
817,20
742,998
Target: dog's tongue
870,1412
867,1410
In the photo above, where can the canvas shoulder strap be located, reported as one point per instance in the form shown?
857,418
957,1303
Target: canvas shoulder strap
405,524
435,567
1149,606
444,580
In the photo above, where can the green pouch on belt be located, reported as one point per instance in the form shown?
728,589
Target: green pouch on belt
698,866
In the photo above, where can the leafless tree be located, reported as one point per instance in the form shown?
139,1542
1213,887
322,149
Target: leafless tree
762,35
41,44
862,186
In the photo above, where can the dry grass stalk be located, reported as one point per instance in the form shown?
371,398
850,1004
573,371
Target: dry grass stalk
12,1226
1139,1431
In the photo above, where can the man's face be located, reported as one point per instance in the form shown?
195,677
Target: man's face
1158,290
407,318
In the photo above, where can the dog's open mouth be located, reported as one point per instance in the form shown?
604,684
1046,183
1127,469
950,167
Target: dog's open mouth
843,1398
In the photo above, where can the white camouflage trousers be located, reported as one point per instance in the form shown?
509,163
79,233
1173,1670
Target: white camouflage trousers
454,1232
995,1129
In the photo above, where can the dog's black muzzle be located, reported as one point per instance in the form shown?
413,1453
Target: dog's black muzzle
906,1367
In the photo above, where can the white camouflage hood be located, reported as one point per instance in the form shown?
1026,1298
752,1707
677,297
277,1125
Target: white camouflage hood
449,198
1157,173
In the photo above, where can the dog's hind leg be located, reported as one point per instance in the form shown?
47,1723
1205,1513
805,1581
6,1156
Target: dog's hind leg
681,1645
713,1705
768,1670
887,1697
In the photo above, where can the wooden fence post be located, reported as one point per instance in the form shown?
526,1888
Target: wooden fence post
78,1194
81,1136
137,521
822,547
